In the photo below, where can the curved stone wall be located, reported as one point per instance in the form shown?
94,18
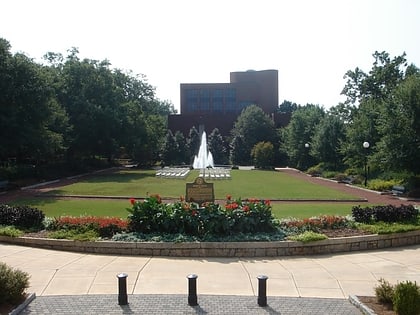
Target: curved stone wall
225,249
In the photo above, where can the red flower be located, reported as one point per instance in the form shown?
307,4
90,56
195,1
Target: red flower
245,208
132,201
228,197
267,202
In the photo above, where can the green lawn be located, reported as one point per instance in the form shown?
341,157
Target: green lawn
53,207
244,184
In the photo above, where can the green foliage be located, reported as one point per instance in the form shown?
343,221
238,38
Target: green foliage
238,216
254,126
407,298
308,236
263,155
13,283
382,185
293,226
102,226
326,142
10,231
384,291
389,228
218,148
179,238
389,214
21,216
299,132
316,170
170,150
383,104
75,234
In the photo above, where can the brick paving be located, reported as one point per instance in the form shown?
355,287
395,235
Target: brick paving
178,304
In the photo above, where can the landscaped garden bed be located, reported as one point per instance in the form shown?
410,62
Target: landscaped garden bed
236,228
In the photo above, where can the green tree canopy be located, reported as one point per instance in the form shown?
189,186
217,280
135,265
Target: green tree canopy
254,126
263,155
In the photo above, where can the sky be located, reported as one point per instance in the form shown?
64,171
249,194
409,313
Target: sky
312,43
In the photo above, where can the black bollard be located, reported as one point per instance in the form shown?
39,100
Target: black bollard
122,289
192,290
262,290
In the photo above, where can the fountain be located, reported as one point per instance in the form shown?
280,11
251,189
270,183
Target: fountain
204,158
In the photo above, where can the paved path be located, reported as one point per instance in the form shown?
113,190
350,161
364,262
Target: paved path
56,273
372,197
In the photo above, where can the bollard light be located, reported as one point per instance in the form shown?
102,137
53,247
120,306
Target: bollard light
192,290
122,289
262,290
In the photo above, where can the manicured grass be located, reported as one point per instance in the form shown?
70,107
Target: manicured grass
244,184
54,207
139,183
304,210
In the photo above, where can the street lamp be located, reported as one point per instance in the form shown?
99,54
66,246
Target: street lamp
306,158
366,146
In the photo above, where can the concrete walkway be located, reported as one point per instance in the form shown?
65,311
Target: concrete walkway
57,273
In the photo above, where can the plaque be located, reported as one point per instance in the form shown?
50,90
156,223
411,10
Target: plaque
199,191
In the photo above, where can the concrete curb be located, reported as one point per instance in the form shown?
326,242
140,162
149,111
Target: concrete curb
23,305
363,308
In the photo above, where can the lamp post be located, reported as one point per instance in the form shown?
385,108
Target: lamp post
307,145
366,146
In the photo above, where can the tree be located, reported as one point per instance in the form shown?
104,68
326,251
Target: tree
382,79
326,142
253,125
193,142
238,152
181,144
399,146
263,155
170,149
371,99
217,147
287,107
32,121
299,133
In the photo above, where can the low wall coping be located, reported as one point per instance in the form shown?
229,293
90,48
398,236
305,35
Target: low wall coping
224,249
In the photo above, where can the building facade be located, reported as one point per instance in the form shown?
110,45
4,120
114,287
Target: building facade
217,105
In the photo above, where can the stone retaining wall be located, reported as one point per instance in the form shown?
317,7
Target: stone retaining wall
225,249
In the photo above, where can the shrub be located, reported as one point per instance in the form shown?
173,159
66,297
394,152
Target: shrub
404,213
384,292
10,231
382,185
87,235
238,216
21,216
13,283
315,170
407,298
103,226
362,215
315,224
308,236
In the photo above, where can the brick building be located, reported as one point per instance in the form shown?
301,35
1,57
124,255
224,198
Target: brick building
217,105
